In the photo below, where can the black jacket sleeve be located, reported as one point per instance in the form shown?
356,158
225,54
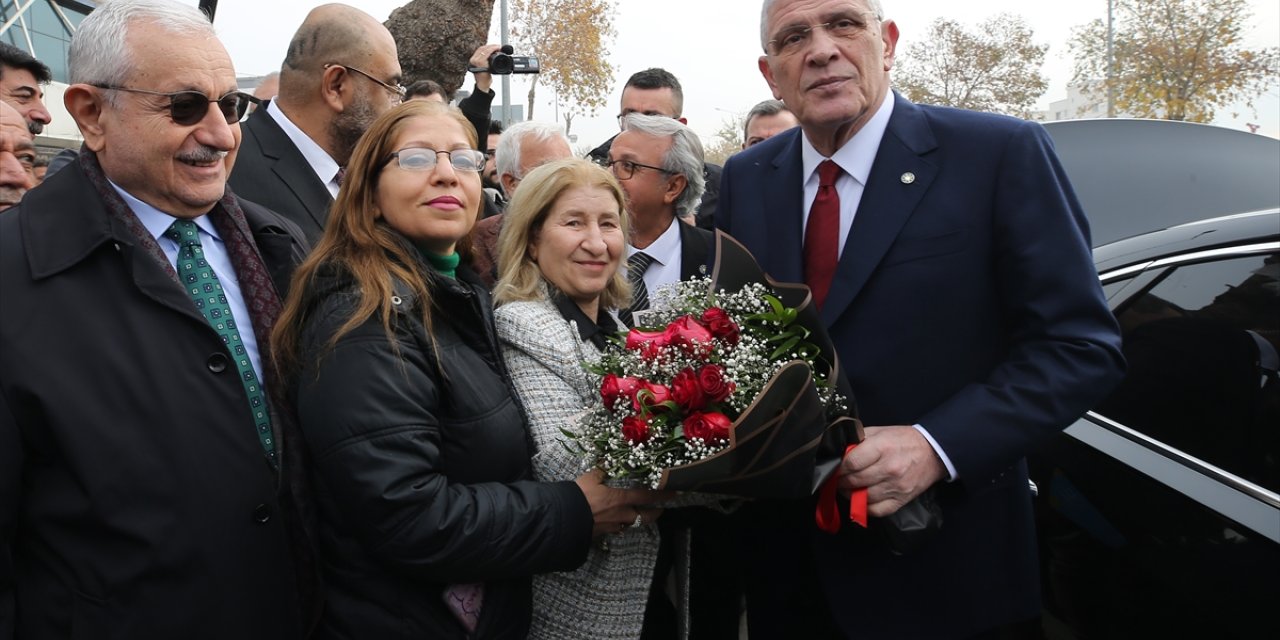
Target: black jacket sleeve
368,410
476,108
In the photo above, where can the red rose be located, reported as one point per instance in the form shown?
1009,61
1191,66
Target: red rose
721,325
689,335
649,395
647,342
687,392
711,380
615,387
709,427
635,430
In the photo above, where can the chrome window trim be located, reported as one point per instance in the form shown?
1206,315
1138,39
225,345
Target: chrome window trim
1228,494
1122,272
1196,256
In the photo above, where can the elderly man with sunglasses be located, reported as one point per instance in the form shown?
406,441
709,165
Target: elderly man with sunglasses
340,72
145,468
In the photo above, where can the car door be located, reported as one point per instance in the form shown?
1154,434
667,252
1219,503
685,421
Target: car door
1159,511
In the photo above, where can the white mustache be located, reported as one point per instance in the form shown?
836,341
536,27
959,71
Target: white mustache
203,154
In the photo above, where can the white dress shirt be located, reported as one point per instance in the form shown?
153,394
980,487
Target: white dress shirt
856,158
666,254
215,252
326,168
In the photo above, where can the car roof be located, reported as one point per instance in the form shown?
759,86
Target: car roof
1135,176
1245,228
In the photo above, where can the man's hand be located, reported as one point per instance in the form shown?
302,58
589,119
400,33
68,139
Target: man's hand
480,60
895,464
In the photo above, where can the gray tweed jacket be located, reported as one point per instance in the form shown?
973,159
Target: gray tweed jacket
605,598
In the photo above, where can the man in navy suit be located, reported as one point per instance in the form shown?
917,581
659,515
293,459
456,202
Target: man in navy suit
950,261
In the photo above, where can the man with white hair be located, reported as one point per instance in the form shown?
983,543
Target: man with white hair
658,160
521,148
147,475
949,260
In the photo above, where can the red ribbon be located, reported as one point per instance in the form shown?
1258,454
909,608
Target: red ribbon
828,514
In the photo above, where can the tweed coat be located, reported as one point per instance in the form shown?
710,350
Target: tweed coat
605,597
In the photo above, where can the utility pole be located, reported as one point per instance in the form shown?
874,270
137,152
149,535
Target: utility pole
1111,61
506,79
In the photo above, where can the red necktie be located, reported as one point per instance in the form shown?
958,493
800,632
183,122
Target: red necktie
822,234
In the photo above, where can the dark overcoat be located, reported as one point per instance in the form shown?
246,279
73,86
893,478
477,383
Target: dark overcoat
135,497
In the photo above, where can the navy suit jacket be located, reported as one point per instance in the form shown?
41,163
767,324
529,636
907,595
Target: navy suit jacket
965,300
270,171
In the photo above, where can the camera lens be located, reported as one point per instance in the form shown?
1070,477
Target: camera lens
500,63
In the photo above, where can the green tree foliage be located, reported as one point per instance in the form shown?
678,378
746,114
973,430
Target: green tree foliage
727,141
995,68
1174,59
570,38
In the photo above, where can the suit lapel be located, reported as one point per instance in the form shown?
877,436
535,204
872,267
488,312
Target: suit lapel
899,178
695,250
781,213
288,164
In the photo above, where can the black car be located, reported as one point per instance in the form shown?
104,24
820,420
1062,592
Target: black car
1159,511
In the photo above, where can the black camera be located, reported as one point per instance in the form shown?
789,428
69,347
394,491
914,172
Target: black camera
502,63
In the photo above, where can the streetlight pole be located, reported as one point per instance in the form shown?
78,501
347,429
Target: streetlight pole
1111,61
506,79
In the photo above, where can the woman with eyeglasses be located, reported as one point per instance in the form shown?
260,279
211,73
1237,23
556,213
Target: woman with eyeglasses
430,521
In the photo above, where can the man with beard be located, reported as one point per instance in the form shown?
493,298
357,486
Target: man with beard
21,77
340,72
17,157
147,473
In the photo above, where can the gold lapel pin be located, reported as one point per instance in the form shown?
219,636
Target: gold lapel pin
908,178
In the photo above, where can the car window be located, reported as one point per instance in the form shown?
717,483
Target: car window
1201,345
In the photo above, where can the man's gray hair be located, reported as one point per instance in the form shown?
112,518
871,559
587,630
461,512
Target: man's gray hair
874,5
509,143
684,157
99,51
763,108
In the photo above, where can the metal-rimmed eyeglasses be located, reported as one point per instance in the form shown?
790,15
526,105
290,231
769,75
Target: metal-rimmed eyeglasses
796,38
625,169
423,159
189,107
397,90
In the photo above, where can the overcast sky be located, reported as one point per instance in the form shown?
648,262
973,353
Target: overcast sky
712,47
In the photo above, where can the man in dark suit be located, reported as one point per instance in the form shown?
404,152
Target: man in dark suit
146,475
965,308
341,71
658,160
656,92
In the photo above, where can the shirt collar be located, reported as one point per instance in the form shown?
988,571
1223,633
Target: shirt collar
859,153
156,221
593,332
665,249
321,163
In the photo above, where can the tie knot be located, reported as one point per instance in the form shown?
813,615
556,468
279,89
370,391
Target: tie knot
184,232
828,171
638,263
337,177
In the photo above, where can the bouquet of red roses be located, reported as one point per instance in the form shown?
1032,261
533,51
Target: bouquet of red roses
730,388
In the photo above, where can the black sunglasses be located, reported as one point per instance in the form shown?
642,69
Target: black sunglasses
189,107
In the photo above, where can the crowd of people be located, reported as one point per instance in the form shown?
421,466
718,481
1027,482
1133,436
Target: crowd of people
304,373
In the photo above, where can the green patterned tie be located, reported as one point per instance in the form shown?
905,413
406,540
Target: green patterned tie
202,285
